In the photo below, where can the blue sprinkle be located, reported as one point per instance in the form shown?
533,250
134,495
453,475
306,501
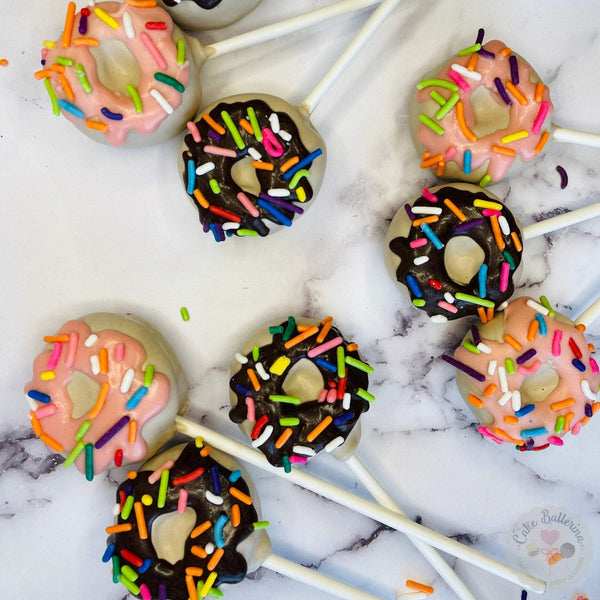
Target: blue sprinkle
219,525
71,108
525,410
274,212
216,481
111,115
414,286
128,489
536,431
578,365
434,239
235,475
301,164
191,178
325,364
108,553
483,271
343,418
543,330
145,565
524,595
242,389
467,162
39,396
135,399
215,232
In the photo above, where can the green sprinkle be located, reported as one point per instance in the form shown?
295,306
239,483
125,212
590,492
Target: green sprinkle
235,134
435,95
449,85
255,353
50,90
261,524
358,364
546,304
116,568
510,366
180,52
485,180
287,467
419,302
162,490
148,375
185,315
171,81
285,399
255,125
471,347
470,50
448,106
83,430
64,61
297,177
214,186
509,259
214,592
126,511
474,300
83,80
275,330
137,101
341,365
129,574
365,395
79,447
289,330
89,462
431,124
246,232
560,424
289,421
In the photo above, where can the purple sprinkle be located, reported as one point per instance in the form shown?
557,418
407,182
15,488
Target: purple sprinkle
83,25
468,225
206,226
529,444
514,69
502,91
480,35
588,410
409,212
564,178
526,356
162,591
112,432
282,203
524,595
214,136
487,54
462,367
220,232
216,481
475,334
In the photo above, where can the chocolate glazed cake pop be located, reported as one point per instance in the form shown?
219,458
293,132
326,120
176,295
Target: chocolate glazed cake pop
207,14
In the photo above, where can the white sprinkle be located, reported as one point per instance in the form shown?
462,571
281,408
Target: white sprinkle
537,307
116,510
438,319
263,437
492,367
484,348
33,405
502,306
205,168
426,210
284,135
346,401
241,358
213,498
209,548
128,25
420,260
278,192
587,392
255,154
516,400
230,225
333,444
504,226
448,297
91,341
503,379
261,371
162,101
95,362
505,398
303,450
274,121
474,75
127,380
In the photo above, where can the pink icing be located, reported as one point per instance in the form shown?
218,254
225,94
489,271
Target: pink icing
101,97
522,117
62,427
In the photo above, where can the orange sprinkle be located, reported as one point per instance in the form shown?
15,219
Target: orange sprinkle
240,496
319,429
43,74
284,437
119,528
86,41
198,551
591,347
595,407
584,421
539,91
580,327
428,220
131,474
459,213
142,3
90,124
206,450
58,68
490,313
301,327
236,517
218,128
324,331
141,520
103,361
191,585
568,418
133,427
501,433
100,401
506,51
215,558
533,329
421,587
69,21
200,529
497,233
552,560
509,339
352,347
35,423
434,160
195,571
441,168
516,241
511,419
53,339
3,62
288,164
263,166
542,142
504,151
482,314
300,338
202,201
246,126
460,117
490,389
254,379
473,61
475,401
517,93
425,156
556,406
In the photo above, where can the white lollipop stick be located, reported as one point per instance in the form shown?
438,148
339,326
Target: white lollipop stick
590,314
269,32
570,218
339,66
431,555
326,584
584,138
369,509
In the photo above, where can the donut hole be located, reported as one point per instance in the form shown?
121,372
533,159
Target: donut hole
244,175
463,257
170,532
116,66
83,391
539,385
304,380
491,113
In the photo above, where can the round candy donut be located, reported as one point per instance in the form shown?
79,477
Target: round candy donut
299,388
480,113
250,160
528,375
123,74
187,523
455,249
107,390
208,14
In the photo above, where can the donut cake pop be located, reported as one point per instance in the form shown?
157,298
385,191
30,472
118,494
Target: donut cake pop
528,375
251,163
207,14
189,524
124,74
106,391
484,113
456,250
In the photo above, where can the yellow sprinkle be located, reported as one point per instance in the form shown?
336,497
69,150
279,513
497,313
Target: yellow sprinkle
487,204
48,44
280,365
104,16
208,584
47,375
301,194
513,137
147,500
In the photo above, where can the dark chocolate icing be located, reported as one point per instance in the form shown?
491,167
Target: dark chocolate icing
309,413
231,568
207,4
434,268
227,199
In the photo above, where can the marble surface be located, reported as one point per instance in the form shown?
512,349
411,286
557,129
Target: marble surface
88,227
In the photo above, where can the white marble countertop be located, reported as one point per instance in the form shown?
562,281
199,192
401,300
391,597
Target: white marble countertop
88,227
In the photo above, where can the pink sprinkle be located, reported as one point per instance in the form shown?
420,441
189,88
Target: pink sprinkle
490,212
45,411
145,592
555,441
182,502
298,459
250,410
531,369
154,477
447,306
504,275
459,81
324,347
119,352
159,59
428,195
556,342
450,152
220,151
332,395
44,52
575,429
71,349
194,131
271,143
322,396
247,204
487,433
55,356
594,365
418,243
541,116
